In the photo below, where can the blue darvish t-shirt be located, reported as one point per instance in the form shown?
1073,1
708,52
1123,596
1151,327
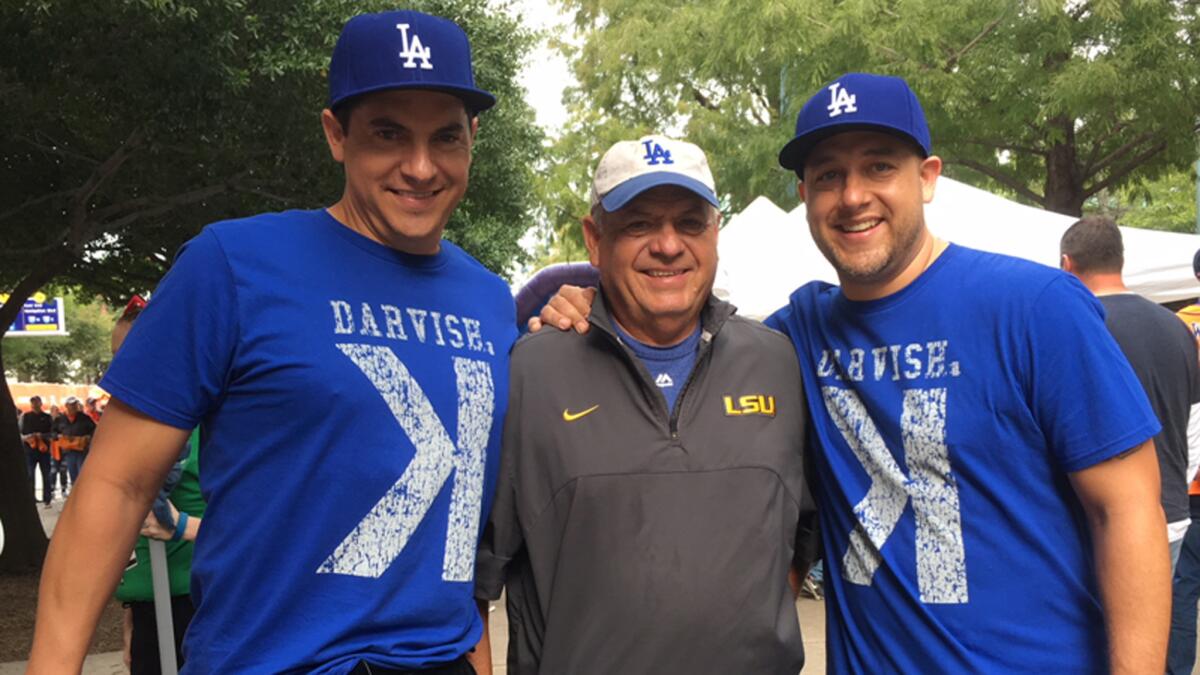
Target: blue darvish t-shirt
946,418
351,398
669,367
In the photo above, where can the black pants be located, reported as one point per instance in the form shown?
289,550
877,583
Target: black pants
144,645
459,666
37,460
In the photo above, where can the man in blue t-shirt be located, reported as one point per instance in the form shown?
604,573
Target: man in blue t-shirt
984,465
339,542
990,497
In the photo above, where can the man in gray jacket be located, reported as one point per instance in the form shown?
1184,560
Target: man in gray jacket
651,506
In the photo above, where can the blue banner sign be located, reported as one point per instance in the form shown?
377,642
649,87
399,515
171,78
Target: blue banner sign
39,316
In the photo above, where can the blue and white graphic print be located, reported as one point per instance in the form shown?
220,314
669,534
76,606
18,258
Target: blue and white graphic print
352,398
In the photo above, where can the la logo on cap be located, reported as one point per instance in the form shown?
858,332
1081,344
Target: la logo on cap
413,50
655,154
841,101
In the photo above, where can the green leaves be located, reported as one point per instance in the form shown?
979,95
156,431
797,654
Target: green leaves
1050,101
134,123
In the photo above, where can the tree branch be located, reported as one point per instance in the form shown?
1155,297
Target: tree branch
1001,145
1118,127
34,202
702,98
1125,170
78,213
1129,166
987,30
1003,179
57,150
1119,152
55,244
165,205
764,102
263,193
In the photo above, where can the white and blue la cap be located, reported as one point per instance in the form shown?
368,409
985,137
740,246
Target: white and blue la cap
857,101
404,50
629,168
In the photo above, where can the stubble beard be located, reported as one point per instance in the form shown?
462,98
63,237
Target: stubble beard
877,265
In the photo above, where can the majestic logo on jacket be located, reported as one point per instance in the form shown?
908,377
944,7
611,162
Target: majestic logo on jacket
752,404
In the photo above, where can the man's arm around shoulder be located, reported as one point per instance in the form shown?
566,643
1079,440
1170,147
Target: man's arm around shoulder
130,456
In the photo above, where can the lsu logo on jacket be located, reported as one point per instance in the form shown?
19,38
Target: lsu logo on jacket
751,404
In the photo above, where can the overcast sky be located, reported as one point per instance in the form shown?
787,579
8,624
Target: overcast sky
545,73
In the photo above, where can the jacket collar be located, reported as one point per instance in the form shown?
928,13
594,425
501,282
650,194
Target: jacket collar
713,316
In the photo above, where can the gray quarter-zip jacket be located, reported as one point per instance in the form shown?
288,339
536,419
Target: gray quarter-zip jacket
637,540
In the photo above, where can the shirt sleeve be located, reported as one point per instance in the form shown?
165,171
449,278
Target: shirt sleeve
502,538
175,362
1082,389
779,320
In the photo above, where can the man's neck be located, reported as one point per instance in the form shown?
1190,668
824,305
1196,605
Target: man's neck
1104,283
346,212
930,250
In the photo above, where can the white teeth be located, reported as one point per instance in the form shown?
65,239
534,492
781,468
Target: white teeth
859,227
415,195
661,273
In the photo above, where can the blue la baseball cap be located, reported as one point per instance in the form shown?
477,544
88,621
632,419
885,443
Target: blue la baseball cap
857,101
404,50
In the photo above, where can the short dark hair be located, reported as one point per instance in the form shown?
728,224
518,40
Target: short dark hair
1094,245
345,110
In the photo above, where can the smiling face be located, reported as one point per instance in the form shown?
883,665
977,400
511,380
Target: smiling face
406,154
657,258
865,192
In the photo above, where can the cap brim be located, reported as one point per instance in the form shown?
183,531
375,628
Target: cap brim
621,195
476,100
793,155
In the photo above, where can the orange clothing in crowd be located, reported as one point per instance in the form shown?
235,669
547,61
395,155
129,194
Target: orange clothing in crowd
38,443
1191,316
73,442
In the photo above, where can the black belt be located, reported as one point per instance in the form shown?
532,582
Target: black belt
459,666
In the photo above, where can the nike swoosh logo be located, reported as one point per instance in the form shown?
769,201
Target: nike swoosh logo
569,416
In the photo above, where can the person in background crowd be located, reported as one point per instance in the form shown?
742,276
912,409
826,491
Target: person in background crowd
89,407
1181,650
75,436
58,465
1161,350
35,434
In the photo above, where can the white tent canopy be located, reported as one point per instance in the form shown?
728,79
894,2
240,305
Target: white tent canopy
766,252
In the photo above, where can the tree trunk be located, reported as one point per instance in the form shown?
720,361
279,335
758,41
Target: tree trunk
1064,187
24,540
